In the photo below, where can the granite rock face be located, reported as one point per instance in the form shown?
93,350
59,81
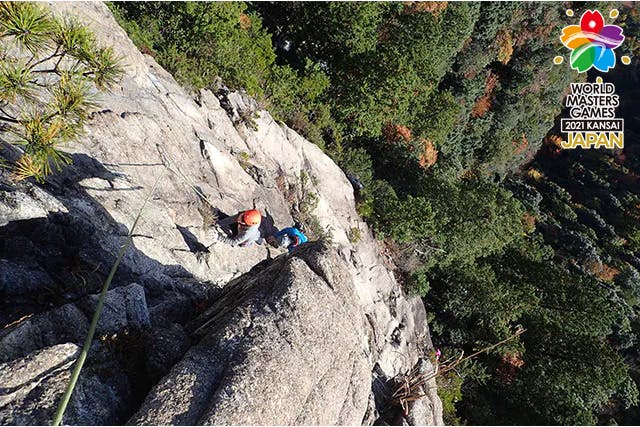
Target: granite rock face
31,388
285,344
247,335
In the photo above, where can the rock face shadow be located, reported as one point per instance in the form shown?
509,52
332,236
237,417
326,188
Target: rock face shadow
49,267
191,241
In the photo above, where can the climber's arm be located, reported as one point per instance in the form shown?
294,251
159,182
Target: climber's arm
228,220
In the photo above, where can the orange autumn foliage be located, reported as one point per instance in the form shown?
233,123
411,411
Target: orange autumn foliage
520,146
245,21
433,7
603,271
528,222
396,133
470,174
554,140
429,154
509,366
483,104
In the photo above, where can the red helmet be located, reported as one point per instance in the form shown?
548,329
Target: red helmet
251,217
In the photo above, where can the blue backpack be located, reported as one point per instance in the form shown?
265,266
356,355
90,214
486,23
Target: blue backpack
296,235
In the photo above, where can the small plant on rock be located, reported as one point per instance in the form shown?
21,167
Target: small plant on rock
244,160
354,235
51,71
304,201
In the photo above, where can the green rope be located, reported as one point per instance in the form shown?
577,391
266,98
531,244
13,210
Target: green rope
96,316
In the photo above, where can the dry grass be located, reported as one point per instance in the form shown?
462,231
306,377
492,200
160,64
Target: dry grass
208,214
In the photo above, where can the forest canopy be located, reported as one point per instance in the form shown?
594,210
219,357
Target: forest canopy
446,115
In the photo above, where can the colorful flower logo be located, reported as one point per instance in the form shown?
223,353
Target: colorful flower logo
592,42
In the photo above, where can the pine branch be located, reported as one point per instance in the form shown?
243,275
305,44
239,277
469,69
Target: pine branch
35,82
60,60
7,114
56,67
52,70
44,59
33,56
10,120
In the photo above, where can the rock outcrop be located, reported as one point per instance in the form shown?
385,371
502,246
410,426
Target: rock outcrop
284,344
195,332
32,387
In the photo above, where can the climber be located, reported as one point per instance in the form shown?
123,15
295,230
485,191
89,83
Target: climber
244,226
290,238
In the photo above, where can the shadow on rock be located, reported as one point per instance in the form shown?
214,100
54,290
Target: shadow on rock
51,264
191,241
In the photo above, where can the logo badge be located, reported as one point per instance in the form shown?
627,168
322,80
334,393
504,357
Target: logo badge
592,43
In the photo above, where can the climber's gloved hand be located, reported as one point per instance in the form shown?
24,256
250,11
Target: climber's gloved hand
272,241
285,241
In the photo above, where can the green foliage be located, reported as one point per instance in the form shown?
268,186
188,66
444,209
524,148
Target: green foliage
473,219
394,83
304,208
295,98
405,220
474,82
418,284
355,162
354,235
332,32
29,27
450,392
566,317
570,384
244,160
198,42
49,76
629,283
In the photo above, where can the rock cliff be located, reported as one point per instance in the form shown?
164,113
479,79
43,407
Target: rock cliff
195,332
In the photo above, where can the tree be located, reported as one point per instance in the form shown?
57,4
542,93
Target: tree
568,369
50,71
402,220
436,108
473,219
201,42
332,33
